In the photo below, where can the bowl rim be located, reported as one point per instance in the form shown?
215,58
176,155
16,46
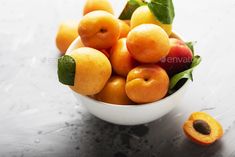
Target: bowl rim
173,35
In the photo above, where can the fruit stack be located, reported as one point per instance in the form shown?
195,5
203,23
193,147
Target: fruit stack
133,59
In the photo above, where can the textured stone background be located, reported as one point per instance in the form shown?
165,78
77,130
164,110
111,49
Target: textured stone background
40,118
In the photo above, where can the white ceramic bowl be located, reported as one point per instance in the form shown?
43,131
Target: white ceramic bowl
130,114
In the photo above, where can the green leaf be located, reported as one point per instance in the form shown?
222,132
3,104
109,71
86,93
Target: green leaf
163,10
190,45
185,74
130,7
196,61
66,70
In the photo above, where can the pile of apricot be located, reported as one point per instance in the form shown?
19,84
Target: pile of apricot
121,62
127,62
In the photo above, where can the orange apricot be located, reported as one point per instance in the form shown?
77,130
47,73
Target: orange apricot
120,58
124,29
79,44
66,34
143,15
92,5
93,70
202,128
99,30
148,43
105,52
114,92
147,83
127,22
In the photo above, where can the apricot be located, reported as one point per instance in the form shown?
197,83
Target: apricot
99,30
128,22
92,5
148,43
124,29
79,44
143,15
66,34
147,83
93,70
114,92
202,128
178,59
105,52
120,58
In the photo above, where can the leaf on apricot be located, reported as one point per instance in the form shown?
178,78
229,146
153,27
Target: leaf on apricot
163,10
130,7
185,74
66,70
190,45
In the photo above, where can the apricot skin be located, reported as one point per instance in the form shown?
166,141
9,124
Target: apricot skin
124,29
193,135
105,52
93,70
143,15
147,83
79,44
114,92
178,59
99,30
128,22
66,34
92,5
120,58
148,43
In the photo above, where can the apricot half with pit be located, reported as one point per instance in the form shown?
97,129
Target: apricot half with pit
202,129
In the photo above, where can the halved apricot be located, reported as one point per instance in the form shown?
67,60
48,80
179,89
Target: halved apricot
202,128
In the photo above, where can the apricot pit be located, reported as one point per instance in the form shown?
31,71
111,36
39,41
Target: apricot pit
202,127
